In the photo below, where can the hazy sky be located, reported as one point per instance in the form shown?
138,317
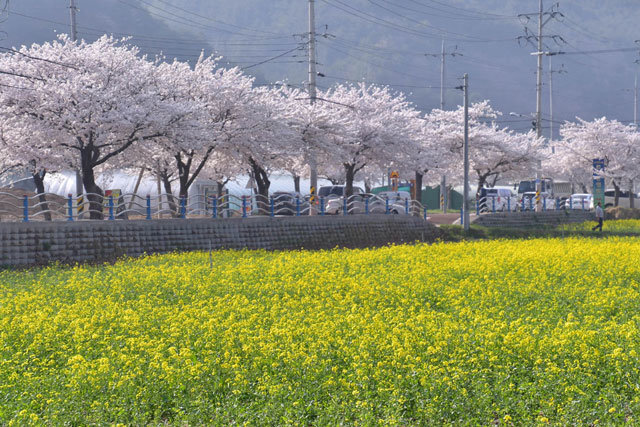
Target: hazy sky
383,41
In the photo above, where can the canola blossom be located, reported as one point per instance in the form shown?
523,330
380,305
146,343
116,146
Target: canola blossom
617,226
494,332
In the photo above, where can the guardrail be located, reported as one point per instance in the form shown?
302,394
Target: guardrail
51,207
493,204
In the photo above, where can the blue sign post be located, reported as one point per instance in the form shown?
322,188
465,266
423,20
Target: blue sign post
598,182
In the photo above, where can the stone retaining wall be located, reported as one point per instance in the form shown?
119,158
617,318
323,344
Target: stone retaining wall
533,219
95,241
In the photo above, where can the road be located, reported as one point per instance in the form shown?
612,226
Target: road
448,218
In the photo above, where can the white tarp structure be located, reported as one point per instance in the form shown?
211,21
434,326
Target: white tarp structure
64,183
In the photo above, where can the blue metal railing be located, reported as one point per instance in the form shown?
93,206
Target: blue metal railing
130,206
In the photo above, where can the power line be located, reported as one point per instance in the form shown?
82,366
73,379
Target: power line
452,15
249,42
462,9
384,84
214,20
470,38
372,63
271,59
180,19
36,58
374,53
589,52
378,21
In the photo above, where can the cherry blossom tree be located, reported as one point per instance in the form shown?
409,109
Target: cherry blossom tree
91,101
316,127
493,152
611,140
378,129
209,105
17,153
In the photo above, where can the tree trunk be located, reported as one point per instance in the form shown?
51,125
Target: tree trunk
616,196
482,179
632,195
349,178
262,182
296,183
38,180
170,199
221,199
95,195
418,193
367,186
350,172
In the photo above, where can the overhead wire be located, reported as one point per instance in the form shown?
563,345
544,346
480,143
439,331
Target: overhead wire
372,63
17,52
467,38
172,17
244,42
451,15
214,20
470,11
378,21
385,84
271,59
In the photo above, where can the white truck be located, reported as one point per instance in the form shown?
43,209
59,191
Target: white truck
556,190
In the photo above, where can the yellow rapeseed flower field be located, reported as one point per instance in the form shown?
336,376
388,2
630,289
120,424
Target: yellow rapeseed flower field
526,332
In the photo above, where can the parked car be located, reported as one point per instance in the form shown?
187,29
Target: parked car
377,203
502,198
336,191
285,202
579,201
623,200
546,200
356,205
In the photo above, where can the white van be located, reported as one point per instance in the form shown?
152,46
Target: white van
502,198
623,200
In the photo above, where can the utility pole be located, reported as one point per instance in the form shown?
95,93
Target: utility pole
551,106
74,36
539,105
539,76
313,166
635,101
444,196
72,10
551,72
465,201
442,77
443,179
540,15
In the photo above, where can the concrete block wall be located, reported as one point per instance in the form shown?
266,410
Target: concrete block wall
533,219
94,241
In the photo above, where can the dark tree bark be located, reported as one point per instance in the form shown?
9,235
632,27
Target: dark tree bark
262,182
350,174
94,194
296,183
38,180
367,187
616,195
632,196
417,193
166,183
